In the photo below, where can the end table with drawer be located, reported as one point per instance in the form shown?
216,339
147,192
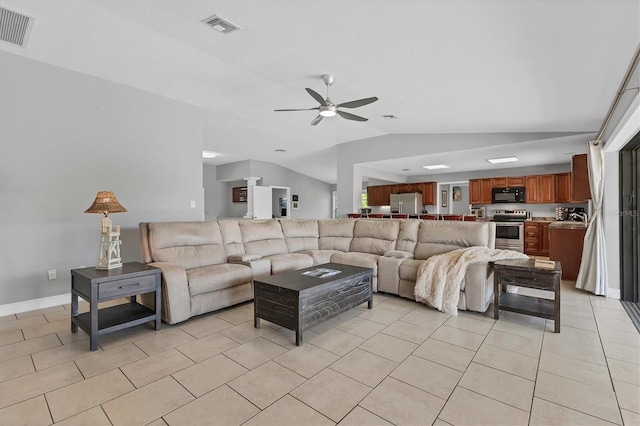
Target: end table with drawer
524,273
97,285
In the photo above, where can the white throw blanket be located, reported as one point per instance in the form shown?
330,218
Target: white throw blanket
439,277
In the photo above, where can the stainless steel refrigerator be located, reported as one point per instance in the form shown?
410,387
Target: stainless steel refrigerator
406,203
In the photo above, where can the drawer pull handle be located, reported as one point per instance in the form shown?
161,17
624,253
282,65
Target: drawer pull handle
128,286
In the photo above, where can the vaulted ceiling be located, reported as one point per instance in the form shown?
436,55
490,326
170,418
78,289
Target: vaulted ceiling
439,66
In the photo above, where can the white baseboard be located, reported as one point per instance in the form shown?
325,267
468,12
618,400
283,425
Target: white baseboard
31,305
614,293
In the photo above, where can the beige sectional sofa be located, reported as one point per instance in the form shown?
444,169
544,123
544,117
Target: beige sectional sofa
210,265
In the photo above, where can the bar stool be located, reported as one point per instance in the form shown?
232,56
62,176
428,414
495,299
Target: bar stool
354,215
376,215
453,217
429,216
400,216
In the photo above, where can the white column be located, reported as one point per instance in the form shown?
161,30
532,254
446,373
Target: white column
251,183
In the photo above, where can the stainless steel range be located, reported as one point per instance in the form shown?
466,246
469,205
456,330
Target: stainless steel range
510,229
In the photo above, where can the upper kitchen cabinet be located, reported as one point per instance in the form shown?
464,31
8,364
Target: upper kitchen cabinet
428,193
403,188
506,182
379,195
480,191
563,188
580,179
540,189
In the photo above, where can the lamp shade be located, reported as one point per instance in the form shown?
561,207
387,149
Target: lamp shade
105,203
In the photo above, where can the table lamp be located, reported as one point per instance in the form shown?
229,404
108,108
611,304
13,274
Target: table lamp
109,250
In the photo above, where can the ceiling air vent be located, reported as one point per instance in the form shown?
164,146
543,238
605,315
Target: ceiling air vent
220,24
14,27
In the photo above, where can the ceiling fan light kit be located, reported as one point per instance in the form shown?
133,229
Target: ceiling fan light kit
328,109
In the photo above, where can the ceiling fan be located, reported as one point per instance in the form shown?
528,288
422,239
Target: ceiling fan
328,109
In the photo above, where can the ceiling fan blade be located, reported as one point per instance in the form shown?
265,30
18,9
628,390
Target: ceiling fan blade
315,95
358,103
349,116
316,120
303,109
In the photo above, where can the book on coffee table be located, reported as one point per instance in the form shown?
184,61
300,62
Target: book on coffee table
545,264
321,272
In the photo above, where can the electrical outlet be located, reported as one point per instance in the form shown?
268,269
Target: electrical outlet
52,274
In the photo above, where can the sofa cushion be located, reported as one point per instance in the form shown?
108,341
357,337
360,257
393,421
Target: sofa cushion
374,236
300,234
262,237
320,256
289,262
437,237
408,235
231,236
364,260
335,234
188,244
217,277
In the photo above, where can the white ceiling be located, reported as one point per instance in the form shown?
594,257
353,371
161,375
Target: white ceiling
440,66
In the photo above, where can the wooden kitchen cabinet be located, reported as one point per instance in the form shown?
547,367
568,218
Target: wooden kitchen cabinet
536,238
565,245
543,238
429,193
506,182
563,188
580,191
516,181
379,195
480,191
540,189
239,194
403,188
531,238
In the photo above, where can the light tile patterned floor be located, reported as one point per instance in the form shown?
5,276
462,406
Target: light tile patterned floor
400,363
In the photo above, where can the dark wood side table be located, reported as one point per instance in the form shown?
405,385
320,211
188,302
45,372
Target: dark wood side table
524,273
96,286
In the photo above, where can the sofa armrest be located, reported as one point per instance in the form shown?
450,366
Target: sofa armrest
176,299
397,254
259,267
243,258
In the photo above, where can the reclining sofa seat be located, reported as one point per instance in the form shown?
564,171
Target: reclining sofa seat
210,265
193,259
400,268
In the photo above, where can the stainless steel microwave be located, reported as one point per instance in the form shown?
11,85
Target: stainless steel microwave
513,194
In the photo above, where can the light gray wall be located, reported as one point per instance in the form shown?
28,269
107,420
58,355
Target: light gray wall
215,192
314,195
64,136
461,206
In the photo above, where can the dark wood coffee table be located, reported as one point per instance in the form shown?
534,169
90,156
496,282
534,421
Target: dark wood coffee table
298,302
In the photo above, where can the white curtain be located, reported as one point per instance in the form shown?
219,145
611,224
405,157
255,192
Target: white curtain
593,269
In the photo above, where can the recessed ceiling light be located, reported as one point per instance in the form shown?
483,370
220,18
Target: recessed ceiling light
389,117
281,150
502,160
435,166
209,154
405,170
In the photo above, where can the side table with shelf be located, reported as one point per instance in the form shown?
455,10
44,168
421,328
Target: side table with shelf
524,273
96,286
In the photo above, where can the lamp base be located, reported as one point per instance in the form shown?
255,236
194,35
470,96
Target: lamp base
109,264
109,250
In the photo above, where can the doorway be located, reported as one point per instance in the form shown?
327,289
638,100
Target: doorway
630,221
281,202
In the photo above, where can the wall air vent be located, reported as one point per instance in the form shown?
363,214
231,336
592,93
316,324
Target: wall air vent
220,24
14,27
